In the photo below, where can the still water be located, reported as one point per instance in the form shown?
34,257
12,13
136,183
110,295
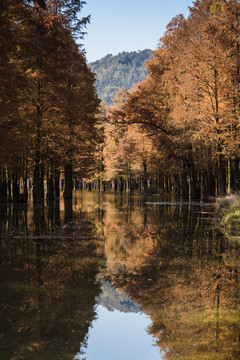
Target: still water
113,277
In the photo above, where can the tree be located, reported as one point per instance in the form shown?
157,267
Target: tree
49,97
189,99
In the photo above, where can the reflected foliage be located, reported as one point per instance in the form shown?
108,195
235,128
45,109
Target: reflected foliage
167,258
184,275
48,285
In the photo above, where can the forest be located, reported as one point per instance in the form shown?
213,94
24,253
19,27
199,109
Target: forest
176,132
48,102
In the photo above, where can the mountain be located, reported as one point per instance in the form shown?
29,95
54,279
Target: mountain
122,70
112,299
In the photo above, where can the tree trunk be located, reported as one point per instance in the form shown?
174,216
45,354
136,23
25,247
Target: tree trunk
203,186
121,184
237,175
25,193
57,183
184,186
50,187
194,190
115,184
221,176
144,181
68,181
38,190
16,187
211,184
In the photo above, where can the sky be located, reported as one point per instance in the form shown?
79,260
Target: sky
127,25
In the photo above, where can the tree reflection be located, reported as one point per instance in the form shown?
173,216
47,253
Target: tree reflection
170,259
48,289
183,274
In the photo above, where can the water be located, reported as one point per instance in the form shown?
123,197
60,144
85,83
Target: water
117,335
117,277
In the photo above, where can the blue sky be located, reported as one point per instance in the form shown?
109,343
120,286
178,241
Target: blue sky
127,25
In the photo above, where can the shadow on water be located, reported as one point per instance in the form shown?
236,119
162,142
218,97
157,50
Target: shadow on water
165,258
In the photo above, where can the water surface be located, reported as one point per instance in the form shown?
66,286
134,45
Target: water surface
117,277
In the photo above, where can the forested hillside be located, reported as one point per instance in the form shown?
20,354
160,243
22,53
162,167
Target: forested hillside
122,70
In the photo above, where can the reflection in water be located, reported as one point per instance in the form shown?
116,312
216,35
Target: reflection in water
113,299
183,274
48,285
116,335
165,259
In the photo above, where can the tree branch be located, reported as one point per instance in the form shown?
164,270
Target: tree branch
152,125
